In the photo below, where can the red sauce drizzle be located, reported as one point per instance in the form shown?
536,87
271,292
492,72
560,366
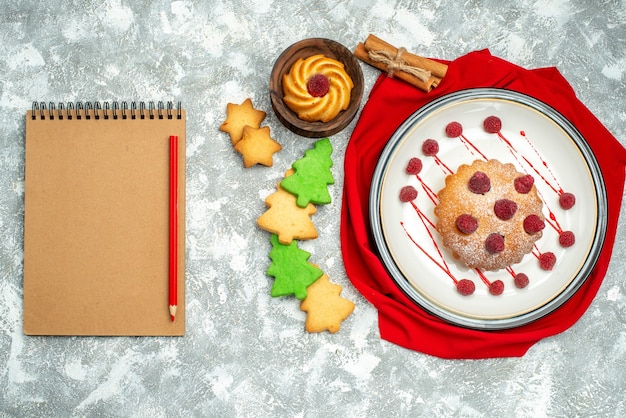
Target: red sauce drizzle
507,142
483,277
425,220
510,270
551,219
536,252
469,144
442,165
445,269
554,223
556,187
429,192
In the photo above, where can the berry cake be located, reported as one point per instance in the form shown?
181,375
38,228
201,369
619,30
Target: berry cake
489,215
317,88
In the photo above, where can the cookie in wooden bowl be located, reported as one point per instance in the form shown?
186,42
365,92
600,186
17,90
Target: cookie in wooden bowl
316,87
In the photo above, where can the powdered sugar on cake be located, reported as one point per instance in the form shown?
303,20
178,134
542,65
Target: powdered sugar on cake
500,210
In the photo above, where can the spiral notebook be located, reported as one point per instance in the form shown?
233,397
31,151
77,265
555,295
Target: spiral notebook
96,219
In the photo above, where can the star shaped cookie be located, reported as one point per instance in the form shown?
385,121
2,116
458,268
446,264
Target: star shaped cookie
257,146
239,116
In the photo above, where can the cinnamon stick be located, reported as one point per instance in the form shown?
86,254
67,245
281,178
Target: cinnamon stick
362,53
437,69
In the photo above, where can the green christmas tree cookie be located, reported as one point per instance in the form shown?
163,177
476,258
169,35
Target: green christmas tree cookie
291,270
312,175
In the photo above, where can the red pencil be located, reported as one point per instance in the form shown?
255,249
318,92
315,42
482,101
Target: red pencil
173,271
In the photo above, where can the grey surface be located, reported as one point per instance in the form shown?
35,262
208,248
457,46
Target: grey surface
245,353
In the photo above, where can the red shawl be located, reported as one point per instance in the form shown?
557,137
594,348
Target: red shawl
403,322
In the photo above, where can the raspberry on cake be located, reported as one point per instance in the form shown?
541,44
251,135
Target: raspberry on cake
533,224
494,243
505,209
479,183
484,219
523,184
466,223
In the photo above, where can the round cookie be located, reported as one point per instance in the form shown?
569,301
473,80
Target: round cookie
317,88
481,214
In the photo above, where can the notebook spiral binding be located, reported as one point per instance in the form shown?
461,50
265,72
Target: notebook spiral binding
113,110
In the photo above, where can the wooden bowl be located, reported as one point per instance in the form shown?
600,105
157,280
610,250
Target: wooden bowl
304,49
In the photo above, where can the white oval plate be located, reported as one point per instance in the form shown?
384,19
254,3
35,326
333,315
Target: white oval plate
537,140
